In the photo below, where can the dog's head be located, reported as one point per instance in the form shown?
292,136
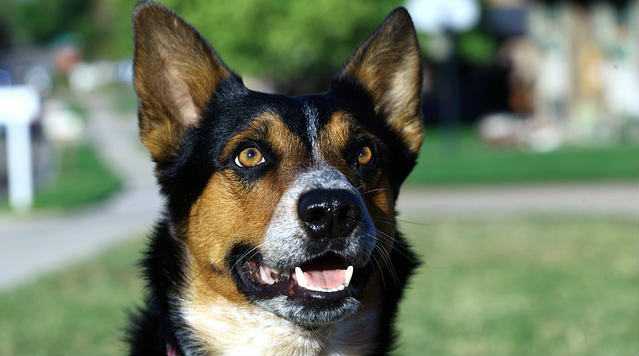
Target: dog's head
282,202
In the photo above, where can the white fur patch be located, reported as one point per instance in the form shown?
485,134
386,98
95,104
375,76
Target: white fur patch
226,328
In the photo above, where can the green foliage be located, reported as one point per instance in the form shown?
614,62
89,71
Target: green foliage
476,47
42,20
301,38
297,44
284,40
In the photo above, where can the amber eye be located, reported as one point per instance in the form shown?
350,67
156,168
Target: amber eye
364,156
249,157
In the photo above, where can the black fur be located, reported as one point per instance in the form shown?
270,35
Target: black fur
183,178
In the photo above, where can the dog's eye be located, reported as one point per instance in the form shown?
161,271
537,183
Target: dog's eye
249,157
364,156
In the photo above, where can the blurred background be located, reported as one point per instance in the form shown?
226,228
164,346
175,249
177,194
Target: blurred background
523,206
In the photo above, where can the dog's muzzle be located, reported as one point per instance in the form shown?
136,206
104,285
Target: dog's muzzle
313,262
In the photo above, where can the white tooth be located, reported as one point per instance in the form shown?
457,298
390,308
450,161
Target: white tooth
348,275
301,280
265,275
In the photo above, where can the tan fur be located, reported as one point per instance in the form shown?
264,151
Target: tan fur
173,83
333,139
176,72
388,65
227,214
375,190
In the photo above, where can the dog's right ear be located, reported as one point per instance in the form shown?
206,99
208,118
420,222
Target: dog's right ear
176,72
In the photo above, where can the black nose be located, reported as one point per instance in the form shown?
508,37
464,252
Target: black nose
329,213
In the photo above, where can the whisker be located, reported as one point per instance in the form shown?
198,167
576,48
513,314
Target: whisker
385,255
373,190
414,222
395,243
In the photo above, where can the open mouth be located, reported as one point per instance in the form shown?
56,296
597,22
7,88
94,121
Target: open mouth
328,277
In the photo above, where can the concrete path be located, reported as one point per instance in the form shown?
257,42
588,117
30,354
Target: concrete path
608,198
38,243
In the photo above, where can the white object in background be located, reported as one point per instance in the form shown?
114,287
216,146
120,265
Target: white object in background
60,124
19,107
438,16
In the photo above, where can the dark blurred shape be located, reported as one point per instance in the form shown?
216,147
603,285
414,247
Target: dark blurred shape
5,77
507,21
5,35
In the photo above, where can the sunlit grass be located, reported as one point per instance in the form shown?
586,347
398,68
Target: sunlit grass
78,311
515,285
81,177
464,159
523,286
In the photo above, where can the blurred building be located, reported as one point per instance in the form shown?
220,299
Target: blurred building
587,82
563,72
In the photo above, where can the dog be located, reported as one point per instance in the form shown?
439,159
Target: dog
279,231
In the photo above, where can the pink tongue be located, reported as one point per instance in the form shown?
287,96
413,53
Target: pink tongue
326,279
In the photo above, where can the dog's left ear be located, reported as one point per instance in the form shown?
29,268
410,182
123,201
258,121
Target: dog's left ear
388,65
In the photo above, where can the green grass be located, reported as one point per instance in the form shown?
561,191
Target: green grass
516,285
80,178
78,311
467,160
523,286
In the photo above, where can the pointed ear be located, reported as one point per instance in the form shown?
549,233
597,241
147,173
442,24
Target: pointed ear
388,65
176,72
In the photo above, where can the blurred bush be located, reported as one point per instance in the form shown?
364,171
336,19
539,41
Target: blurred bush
40,21
294,41
297,44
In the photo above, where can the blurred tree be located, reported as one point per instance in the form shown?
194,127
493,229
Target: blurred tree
297,44
39,21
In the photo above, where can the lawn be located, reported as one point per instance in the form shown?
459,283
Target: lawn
80,177
515,285
467,160
78,311
523,286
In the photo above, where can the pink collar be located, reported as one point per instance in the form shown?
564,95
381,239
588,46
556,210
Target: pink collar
170,350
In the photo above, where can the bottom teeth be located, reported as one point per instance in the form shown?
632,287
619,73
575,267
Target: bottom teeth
320,289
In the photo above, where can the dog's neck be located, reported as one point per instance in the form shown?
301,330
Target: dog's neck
226,328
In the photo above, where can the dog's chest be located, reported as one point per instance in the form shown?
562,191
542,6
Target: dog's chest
226,329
